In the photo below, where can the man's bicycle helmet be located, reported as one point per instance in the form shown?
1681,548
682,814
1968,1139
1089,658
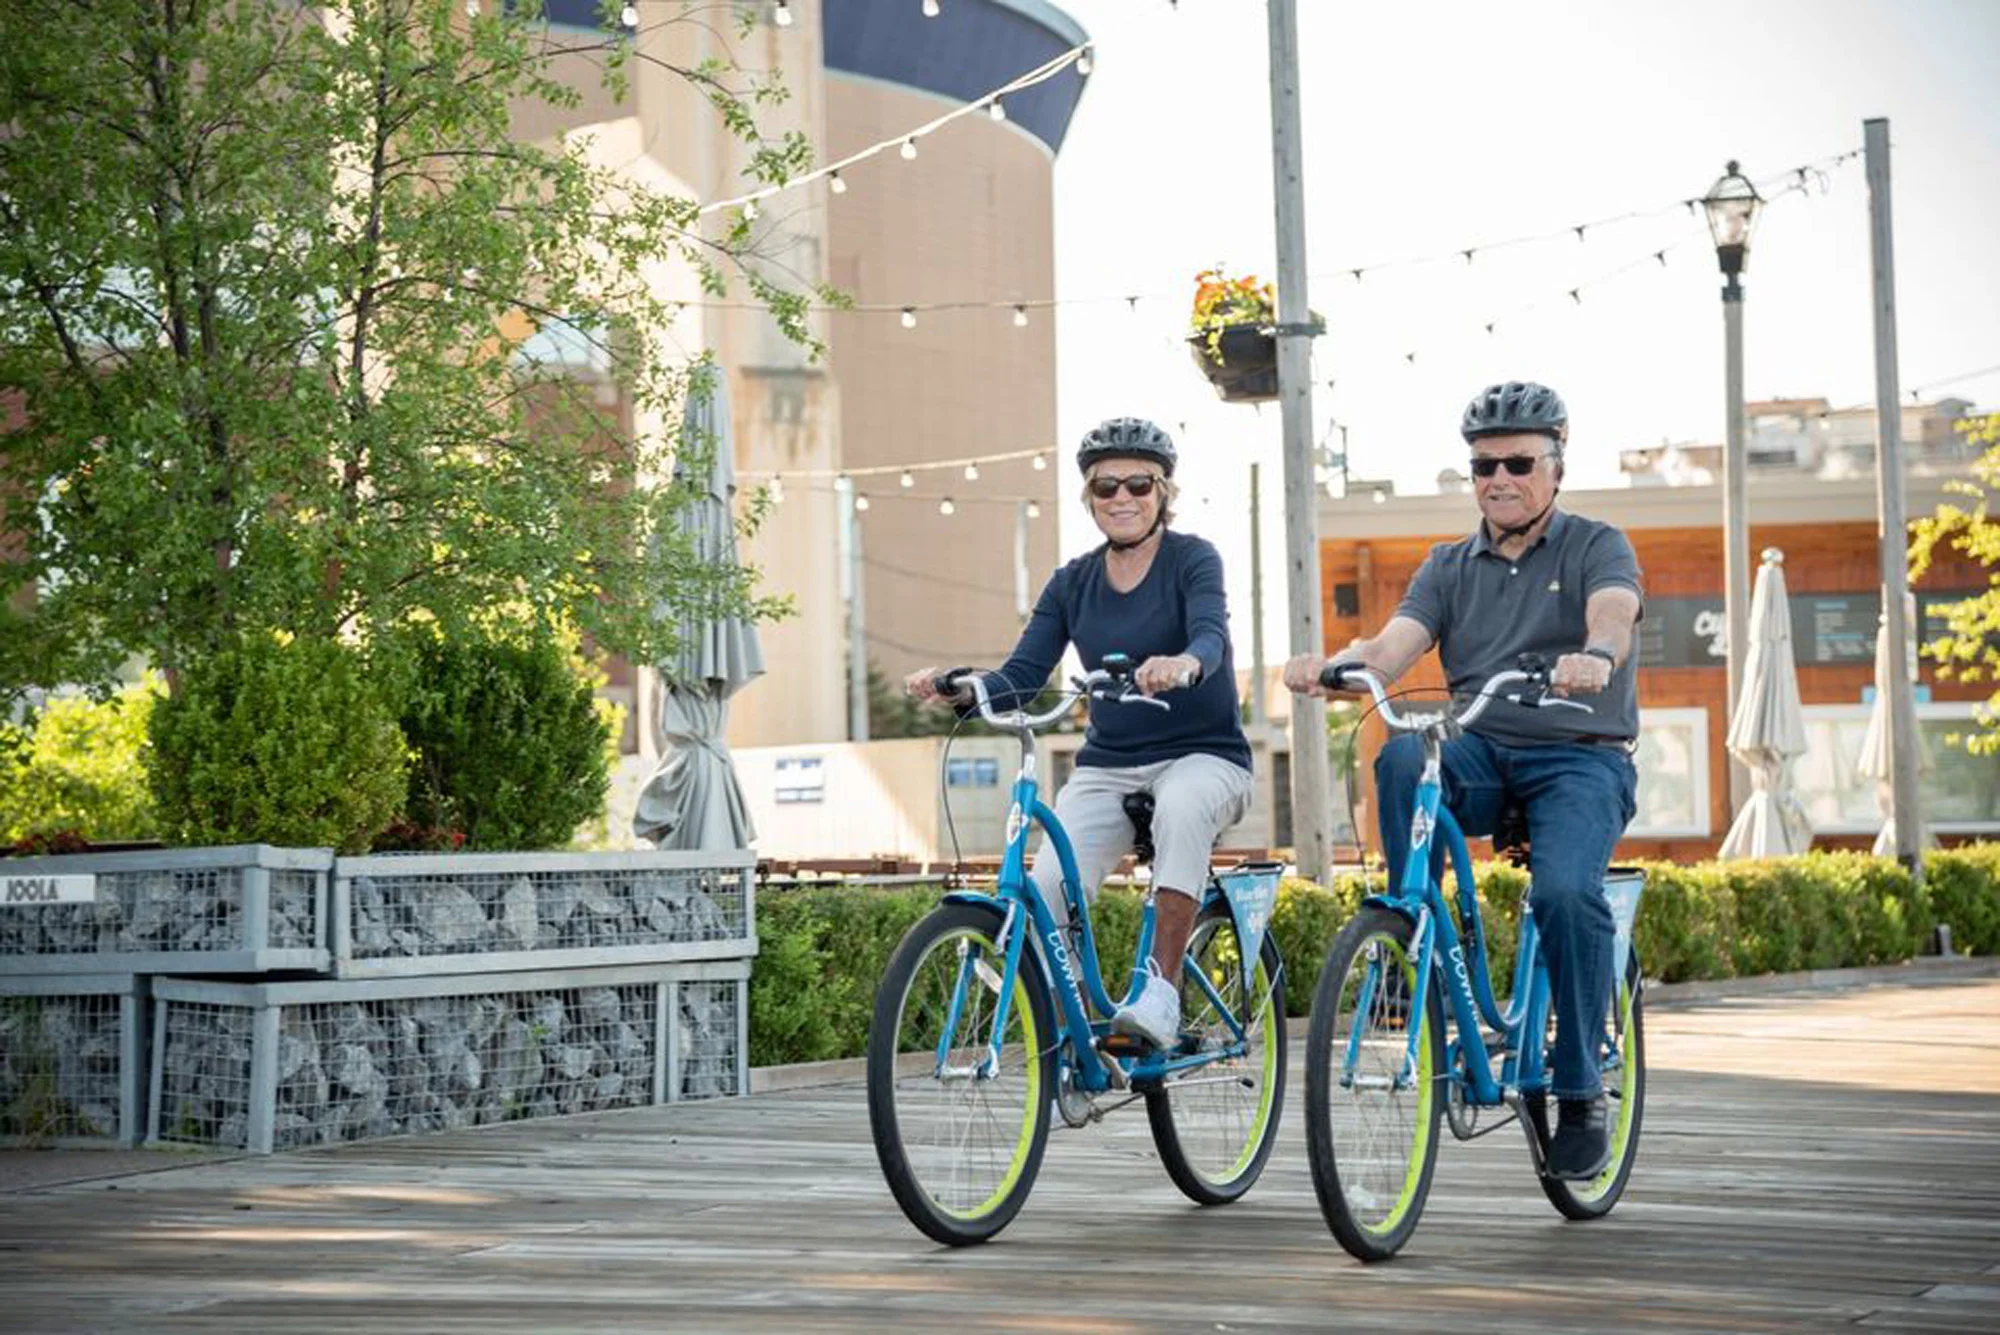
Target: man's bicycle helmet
1126,438
1515,407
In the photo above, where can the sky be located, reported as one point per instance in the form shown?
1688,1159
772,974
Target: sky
1436,127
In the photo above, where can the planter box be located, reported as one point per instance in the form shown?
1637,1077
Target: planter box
1244,367
247,908
264,1066
402,915
71,1060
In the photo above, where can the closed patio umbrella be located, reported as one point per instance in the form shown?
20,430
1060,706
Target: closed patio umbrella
693,800
1877,759
1767,731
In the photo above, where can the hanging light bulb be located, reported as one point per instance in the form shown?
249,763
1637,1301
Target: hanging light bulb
1034,509
629,16
749,210
1021,320
835,184
997,109
1041,463
861,500
909,149
945,507
930,9
909,317
972,472
1083,63
907,480
783,18
777,490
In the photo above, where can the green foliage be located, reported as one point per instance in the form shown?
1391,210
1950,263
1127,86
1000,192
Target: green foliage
509,746
280,742
76,767
305,339
823,949
1970,648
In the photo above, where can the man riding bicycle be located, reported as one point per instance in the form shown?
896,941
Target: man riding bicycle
1532,579
1155,596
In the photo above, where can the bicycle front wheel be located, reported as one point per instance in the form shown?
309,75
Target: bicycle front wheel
1624,1070
1372,1103
1215,1124
959,1136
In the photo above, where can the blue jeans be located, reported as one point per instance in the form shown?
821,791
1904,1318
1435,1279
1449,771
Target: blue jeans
1578,798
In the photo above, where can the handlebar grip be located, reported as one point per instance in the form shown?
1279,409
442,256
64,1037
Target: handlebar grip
1332,677
947,681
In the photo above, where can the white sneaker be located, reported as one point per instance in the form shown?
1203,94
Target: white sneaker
1156,1015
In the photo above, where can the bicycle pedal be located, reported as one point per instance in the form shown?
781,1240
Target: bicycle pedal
1125,1045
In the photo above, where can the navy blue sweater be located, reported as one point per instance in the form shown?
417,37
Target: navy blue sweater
1179,608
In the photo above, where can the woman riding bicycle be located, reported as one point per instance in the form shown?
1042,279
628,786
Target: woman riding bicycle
1157,597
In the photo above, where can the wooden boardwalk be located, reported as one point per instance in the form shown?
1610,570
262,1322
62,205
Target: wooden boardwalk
1812,1159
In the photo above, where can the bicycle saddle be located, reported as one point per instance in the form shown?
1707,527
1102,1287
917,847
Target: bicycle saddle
1139,810
1510,833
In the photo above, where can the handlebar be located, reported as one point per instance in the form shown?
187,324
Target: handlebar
1097,684
1340,676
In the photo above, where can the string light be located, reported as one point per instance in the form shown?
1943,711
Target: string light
1020,317
972,472
750,211
835,184
629,16
931,9
783,18
997,109
472,9
1035,507
907,480
945,507
1041,463
909,149
909,317
861,500
777,490
1083,64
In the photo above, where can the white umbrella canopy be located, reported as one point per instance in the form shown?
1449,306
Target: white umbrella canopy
1767,730
1877,757
693,800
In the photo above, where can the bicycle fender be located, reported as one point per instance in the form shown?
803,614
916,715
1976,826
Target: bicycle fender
974,897
1391,902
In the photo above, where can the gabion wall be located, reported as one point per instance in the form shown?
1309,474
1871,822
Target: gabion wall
69,1065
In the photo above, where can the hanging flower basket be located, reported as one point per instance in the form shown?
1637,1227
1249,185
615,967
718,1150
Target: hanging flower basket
1229,333
1240,360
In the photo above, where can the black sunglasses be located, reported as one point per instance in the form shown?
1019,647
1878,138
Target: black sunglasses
1104,486
1518,465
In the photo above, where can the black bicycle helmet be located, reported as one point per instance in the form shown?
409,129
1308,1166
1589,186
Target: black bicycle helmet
1514,407
1126,438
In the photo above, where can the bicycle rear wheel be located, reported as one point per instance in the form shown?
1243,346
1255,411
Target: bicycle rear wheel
1371,1110
1624,1067
1215,1124
959,1143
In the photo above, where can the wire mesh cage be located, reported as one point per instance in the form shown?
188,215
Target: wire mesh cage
401,915
279,1065
71,1060
247,908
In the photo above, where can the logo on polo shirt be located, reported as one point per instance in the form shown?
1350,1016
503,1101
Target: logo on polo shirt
1555,586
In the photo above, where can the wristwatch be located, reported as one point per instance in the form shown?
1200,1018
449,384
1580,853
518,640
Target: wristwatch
1597,651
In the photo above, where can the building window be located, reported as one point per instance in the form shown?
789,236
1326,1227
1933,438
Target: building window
978,772
1958,792
801,779
1673,774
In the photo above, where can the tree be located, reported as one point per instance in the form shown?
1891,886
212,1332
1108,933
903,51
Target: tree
283,311
1970,648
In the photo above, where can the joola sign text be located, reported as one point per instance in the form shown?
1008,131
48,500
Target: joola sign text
22,891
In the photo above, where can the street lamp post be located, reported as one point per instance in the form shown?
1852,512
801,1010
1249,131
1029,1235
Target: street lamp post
1732,204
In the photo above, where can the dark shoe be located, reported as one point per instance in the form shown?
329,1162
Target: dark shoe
1581,1146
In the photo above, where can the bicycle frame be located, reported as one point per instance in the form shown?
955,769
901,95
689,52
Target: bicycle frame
1077,983
1523,1023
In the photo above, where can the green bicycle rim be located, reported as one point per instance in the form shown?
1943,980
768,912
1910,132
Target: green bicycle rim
1031,1042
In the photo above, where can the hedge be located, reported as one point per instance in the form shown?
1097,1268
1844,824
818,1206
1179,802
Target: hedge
824,947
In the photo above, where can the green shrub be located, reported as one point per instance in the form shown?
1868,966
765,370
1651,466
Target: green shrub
76,767
1964,890
282,742
511,748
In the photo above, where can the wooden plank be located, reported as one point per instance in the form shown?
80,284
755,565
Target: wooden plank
1810,1159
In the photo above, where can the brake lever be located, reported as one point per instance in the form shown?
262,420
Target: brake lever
1546,701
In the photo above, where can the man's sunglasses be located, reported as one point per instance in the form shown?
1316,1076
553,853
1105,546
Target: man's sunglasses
1104,486
1517,465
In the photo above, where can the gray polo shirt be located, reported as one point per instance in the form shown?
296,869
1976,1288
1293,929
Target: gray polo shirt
1485,611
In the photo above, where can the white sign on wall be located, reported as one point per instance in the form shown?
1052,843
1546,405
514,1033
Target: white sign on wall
24,891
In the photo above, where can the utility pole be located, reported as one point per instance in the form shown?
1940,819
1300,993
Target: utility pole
1021,559
1735,526
853,586
1894,530
1311,841
1258,714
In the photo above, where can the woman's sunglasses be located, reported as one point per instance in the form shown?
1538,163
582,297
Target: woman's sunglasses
1517,465
1104,486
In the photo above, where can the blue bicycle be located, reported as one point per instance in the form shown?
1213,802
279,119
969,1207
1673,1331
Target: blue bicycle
1383,1067
990,1015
